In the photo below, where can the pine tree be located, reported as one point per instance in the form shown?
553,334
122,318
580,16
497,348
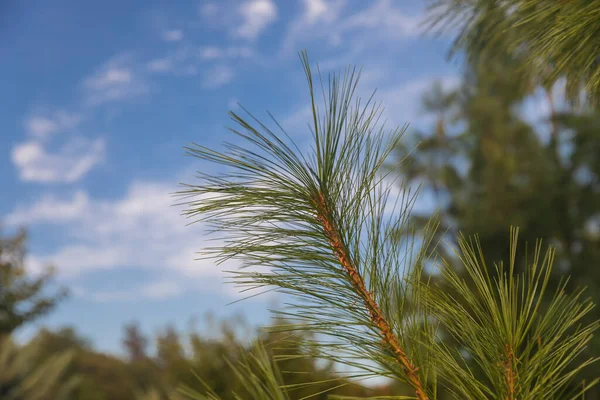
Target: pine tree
24,377
491,169
319,227
556,39
22,298
135,342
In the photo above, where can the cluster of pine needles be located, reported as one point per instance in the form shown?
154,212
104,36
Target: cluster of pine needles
320,226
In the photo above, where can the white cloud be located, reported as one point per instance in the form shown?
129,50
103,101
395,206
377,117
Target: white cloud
141,229
218,76
50,209
173,35
256,15
323,20
316,20
384,16
55,152
44,126
181,62
157,290
241,19
315,9
109,77
161,289
188,60
34,265
40,126
67,164
209,9
116,80
160,65
219,53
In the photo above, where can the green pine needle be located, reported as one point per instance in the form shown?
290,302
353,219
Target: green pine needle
321,228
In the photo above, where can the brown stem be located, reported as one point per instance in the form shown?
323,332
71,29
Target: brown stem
377,316
510,373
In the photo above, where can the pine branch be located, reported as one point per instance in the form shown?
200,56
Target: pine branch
377,316
322,228
554,39
259,378
526,350
510,372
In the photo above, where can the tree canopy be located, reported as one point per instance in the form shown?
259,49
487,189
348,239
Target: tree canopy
23,298
556,39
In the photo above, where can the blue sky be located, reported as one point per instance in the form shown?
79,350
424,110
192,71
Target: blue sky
100,98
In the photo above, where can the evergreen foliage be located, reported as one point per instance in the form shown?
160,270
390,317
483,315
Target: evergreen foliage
260,380
24,377
487,168
22,298
319,227
555,39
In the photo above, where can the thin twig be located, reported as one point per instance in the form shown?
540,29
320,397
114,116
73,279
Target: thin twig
377,316
510,373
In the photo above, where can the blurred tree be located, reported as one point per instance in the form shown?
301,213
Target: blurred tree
305,374
63,339
135,342
22,298
101,376
556,39
488,169
24,377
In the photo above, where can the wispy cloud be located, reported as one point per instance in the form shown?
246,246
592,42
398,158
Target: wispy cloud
315,9
54,151
67,164
43,126
50,209
107,234
331,21
189,60
209,9
172,35
161,65
386,18
220,53
314,21
257,15
218,76
245,20
157,290
116,80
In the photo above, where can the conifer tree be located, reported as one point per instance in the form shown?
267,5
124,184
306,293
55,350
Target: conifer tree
492,167
556,39
24,377
322,226
135,342
22,298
